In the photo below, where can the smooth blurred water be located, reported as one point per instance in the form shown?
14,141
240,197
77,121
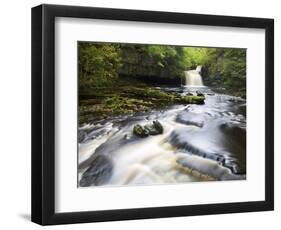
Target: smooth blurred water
199,143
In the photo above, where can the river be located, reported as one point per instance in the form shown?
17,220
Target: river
199,143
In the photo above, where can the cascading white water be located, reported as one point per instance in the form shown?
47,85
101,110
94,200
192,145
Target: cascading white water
193,77
198,143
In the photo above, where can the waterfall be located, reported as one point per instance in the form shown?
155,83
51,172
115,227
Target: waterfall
193,77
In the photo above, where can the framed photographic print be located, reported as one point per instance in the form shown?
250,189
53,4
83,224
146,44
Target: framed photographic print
141,114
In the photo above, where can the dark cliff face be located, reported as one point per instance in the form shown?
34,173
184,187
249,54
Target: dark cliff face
156,80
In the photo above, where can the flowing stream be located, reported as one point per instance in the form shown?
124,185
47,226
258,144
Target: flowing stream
199,143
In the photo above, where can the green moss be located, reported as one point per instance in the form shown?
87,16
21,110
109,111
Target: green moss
191,100
140,131
155,128
100,103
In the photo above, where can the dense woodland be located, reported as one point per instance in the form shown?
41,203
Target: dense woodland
133,68
101,64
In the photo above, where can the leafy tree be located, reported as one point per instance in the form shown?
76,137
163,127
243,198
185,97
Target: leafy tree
152,60
98,63
194,56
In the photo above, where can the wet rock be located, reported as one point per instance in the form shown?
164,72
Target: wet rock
190,100
151,129
236,99
205,167
234,167
158,126
81,136
154,129
189,94
187,108
188,144
219,158
237,170
189,118
177,140
99,172
242,110
140,131
199,94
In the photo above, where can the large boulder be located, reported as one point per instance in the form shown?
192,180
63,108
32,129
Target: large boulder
158,126
151,130
140,131
144,131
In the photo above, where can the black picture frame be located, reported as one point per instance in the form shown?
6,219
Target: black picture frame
43,114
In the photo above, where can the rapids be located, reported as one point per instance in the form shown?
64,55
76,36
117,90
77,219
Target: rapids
199,143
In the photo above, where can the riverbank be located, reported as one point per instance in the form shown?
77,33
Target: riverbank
127,97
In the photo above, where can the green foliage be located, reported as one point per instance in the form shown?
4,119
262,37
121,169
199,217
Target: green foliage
152,61
194,56
229,66
98,63
234,68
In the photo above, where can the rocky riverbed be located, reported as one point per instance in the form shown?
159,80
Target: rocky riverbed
173,144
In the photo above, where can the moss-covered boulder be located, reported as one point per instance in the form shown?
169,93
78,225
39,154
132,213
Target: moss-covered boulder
151,130
191,100
198,100
143,131
158,126
154,129
140,131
